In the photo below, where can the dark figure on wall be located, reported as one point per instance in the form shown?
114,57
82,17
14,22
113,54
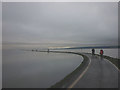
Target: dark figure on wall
93,51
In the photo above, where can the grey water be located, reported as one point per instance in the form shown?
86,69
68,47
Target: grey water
27,69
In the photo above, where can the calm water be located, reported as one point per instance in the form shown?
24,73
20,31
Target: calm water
26,69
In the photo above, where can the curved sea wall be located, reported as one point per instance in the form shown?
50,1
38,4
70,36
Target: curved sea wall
67,80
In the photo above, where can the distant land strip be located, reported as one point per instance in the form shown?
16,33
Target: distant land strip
89,47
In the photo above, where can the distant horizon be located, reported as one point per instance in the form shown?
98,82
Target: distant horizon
54,43
62,46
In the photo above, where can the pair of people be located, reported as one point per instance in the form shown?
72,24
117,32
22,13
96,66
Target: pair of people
101,52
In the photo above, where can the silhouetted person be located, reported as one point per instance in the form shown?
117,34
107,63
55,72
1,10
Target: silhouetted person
93,51
48,51
101,53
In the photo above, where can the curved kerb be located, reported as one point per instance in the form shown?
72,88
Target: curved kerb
71,79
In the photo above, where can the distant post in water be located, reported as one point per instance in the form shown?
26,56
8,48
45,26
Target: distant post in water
48,51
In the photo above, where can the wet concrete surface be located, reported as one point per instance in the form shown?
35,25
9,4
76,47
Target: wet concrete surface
101,74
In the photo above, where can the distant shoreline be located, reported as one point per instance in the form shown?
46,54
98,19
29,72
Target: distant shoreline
90,47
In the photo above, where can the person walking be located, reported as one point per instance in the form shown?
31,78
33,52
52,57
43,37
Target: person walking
93,51
101,53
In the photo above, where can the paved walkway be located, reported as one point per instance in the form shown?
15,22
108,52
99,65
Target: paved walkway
100,74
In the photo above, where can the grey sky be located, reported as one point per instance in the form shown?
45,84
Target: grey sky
78,23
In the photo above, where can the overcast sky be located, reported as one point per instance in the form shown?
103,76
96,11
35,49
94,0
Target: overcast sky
78,23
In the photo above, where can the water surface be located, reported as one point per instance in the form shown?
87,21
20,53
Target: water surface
27,69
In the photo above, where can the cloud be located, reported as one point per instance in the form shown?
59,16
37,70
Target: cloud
84,23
